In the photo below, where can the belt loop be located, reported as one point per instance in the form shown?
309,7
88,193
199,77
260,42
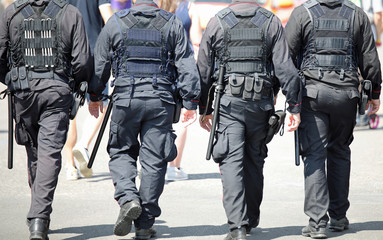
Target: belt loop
154,83
342,74
320,74
131,85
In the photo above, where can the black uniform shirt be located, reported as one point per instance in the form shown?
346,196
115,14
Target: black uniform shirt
75,43
276,43
188,78
298,30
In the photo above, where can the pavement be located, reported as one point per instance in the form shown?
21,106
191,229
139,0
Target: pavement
192,209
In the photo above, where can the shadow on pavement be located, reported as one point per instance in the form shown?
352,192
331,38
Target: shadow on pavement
164,232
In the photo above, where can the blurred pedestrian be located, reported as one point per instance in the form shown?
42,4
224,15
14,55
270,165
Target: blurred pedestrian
184,10
95,13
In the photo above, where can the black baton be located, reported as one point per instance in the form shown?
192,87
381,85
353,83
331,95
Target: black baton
101,132
10,130
296,138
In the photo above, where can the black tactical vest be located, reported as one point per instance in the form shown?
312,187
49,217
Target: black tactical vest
245,52
143,51
40,45
330,46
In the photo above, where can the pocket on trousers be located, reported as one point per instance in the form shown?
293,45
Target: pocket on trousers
170,149
221,145
22,137
113,136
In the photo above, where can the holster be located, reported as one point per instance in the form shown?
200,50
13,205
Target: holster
275,123
365,96
78,99
178,107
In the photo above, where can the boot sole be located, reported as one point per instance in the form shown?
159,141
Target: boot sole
338,229
315,236
123,227
37,236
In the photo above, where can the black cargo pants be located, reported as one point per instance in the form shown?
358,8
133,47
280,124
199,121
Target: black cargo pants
240,149
42,119
325,133
151,119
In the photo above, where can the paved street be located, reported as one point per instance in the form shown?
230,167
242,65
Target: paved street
192,209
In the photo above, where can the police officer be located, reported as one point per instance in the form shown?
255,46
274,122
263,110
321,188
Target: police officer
330,40
249,41
42,46
150,51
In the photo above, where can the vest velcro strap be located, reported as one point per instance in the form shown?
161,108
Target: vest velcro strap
143,68
332,24
143,34
244,34
144,52
245,67
245,52
331,43
331,60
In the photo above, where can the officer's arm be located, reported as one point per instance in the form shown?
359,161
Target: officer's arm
368,58
294,37
285,70
4,40
206,63
188,77
76,37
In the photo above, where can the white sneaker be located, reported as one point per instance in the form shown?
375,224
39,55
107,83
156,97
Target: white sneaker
175,174
72,174
81,154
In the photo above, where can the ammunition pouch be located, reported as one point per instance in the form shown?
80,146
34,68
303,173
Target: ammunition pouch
365,96
275,123
78,99
17,79
249,88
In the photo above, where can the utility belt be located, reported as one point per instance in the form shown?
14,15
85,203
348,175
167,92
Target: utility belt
249,88
143,86
18,78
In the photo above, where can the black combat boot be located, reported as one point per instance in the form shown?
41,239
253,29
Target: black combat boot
38,229
128,212
237,234
144,234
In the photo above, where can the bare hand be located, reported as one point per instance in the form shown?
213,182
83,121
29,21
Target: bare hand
206,121
294,121
95,107
375,105
188,116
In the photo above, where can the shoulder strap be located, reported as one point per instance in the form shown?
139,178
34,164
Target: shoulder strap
261,16
54,7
